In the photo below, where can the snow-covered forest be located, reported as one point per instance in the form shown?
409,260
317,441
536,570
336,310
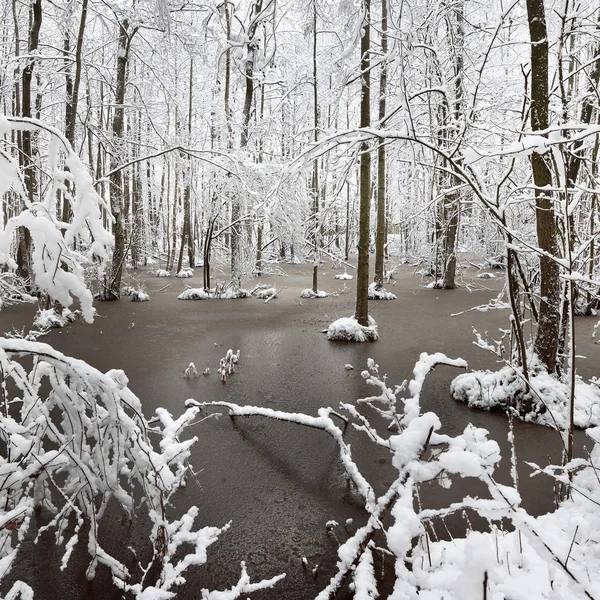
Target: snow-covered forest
322,157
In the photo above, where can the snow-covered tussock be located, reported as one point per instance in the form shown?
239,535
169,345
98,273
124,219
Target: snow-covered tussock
163,273
380,294
139,296
344,275
193,294
347,329
547,402
266,293
185,273
310,293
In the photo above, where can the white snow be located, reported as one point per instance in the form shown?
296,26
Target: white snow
344,276
547,403
347,329
381,294
193,294
185,273
139,296
266,293
163,273
309,293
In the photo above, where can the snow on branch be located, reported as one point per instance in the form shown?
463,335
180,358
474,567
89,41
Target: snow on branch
58,268
79,441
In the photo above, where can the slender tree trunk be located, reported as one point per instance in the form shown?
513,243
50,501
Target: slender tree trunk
113,289
236,229
546,340
315,175
24,243
362,273
381,187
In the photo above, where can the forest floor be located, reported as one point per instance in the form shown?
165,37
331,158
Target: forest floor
280,483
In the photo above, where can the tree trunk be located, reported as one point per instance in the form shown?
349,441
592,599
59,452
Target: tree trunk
381,187
362,272
113,289
315,176
546,340
24,242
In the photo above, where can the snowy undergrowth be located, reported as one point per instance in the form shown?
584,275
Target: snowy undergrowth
163,273
215,294
50,319
546,403
265,293
75,439
344,275
348,329
310,293
95,447
184,273
380,294
554,556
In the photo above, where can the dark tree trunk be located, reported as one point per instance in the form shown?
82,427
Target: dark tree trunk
362,272
546,340
381,183
113,289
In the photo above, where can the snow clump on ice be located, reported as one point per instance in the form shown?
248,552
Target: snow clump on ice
382,294
347,329
193,294
139,296
505,389
185,273
266,293
309,293
344,276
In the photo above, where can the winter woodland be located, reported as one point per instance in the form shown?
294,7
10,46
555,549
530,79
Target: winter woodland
183,138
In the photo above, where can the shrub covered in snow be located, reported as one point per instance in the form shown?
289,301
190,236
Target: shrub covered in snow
380,294
554,556
185,273
310,293
49,319
546,402
193,294
266,293
486,276
139,296
347,329
163,273
344,275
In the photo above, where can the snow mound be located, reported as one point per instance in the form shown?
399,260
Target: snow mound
344,276
50,319
231,294
193,294
266,293
486,276
347,329
309,293
139,296
185,273
435,285
546,405
382,294
163,273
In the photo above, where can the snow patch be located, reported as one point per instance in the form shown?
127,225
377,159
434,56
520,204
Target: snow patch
347,329
380,294
344,276
309,293
546,404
